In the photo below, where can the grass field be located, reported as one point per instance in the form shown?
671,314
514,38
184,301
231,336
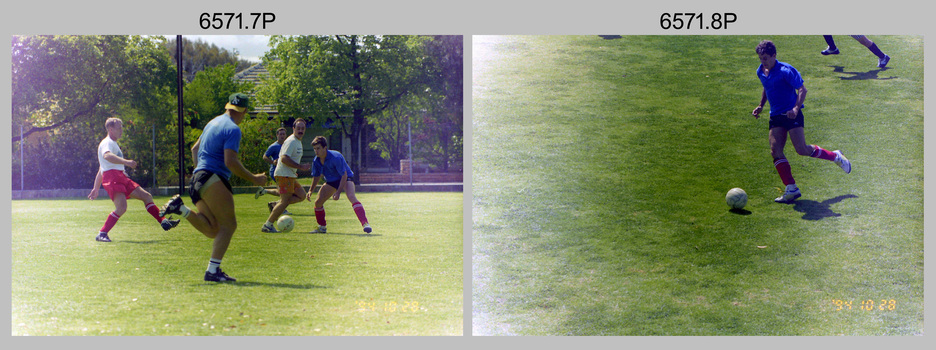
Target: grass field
600,167
403,279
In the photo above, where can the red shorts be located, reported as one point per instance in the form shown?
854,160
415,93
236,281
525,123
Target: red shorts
287,185
115,181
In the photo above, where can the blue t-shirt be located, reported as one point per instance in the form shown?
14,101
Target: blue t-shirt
220,134
780,86
272,152
335,166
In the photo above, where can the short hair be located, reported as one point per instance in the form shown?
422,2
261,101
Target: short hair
766,47
111,122
320,140
280,129
299,120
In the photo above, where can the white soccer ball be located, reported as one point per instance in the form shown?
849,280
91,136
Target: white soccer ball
736,198
285,223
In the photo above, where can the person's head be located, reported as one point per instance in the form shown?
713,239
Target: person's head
237,106
767,53
299,127
320,146
114,127
281,135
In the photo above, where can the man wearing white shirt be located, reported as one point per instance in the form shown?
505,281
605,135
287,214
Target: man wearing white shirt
286,174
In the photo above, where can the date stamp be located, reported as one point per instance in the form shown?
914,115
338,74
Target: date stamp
865,305
232,20
693,20
390,306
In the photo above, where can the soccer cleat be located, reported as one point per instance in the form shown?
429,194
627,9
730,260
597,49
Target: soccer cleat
286,212
219,276
268,228
367,228
172,207
842,161
790,195
834,51
883,61
259,193
320,229
102,237
168,224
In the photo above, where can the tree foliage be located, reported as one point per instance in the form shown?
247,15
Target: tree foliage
198,56
64,87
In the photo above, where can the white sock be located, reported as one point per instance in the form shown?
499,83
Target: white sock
213,265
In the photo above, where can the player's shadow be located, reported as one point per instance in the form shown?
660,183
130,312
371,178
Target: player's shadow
242,283
813,210
346,234
610,37
740,211
869,75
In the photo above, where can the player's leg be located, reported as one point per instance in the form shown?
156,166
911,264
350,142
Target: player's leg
152,209
798,138
882,58
120,207
286,187
325,192
778,138
831,50
220,202
357,206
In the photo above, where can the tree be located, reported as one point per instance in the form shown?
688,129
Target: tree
442,124
66,86
208,92
198,56
342,78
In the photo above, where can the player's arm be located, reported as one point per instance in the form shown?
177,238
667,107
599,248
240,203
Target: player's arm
238,168
98,179
315,181
759,108
800,98
290,163
341,187
195,152
113,158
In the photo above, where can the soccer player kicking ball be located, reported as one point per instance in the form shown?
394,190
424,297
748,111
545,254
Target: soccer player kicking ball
119,187
338,177
271,156
784,89
290,190
215,155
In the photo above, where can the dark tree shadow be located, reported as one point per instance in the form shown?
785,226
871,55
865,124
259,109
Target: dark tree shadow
813,210
869,75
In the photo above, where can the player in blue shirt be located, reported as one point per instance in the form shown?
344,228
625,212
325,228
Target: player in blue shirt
338,177
784,89
271,156
215,153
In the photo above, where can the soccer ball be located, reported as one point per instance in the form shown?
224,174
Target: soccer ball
285,223
736,198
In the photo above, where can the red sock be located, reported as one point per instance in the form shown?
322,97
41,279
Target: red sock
359,210
822,154
783,168
320,216
154,211
111,221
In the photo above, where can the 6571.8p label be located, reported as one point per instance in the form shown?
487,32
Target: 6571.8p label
692,20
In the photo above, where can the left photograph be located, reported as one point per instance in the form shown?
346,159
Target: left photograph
237,185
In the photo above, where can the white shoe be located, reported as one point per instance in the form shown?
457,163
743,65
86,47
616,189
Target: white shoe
791,194
261,192
268,229
320,229
842,161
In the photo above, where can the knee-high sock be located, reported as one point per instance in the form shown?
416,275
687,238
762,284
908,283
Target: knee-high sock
820,153
359,211
783,168
154,211
320,216
111,221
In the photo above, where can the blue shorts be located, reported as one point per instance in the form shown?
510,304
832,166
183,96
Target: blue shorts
787,123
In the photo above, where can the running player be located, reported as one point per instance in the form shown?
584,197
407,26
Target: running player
784,89
215,155
119,187
338,177
833,50
289,189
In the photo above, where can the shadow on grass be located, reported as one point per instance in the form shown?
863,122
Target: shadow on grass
869,75
610,37
813,210
740,211
261,284
346,234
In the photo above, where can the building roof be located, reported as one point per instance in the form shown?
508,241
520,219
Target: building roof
255,74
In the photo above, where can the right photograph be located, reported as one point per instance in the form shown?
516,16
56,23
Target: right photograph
681,185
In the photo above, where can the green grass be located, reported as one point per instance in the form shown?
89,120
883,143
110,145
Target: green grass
404,279
600,169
